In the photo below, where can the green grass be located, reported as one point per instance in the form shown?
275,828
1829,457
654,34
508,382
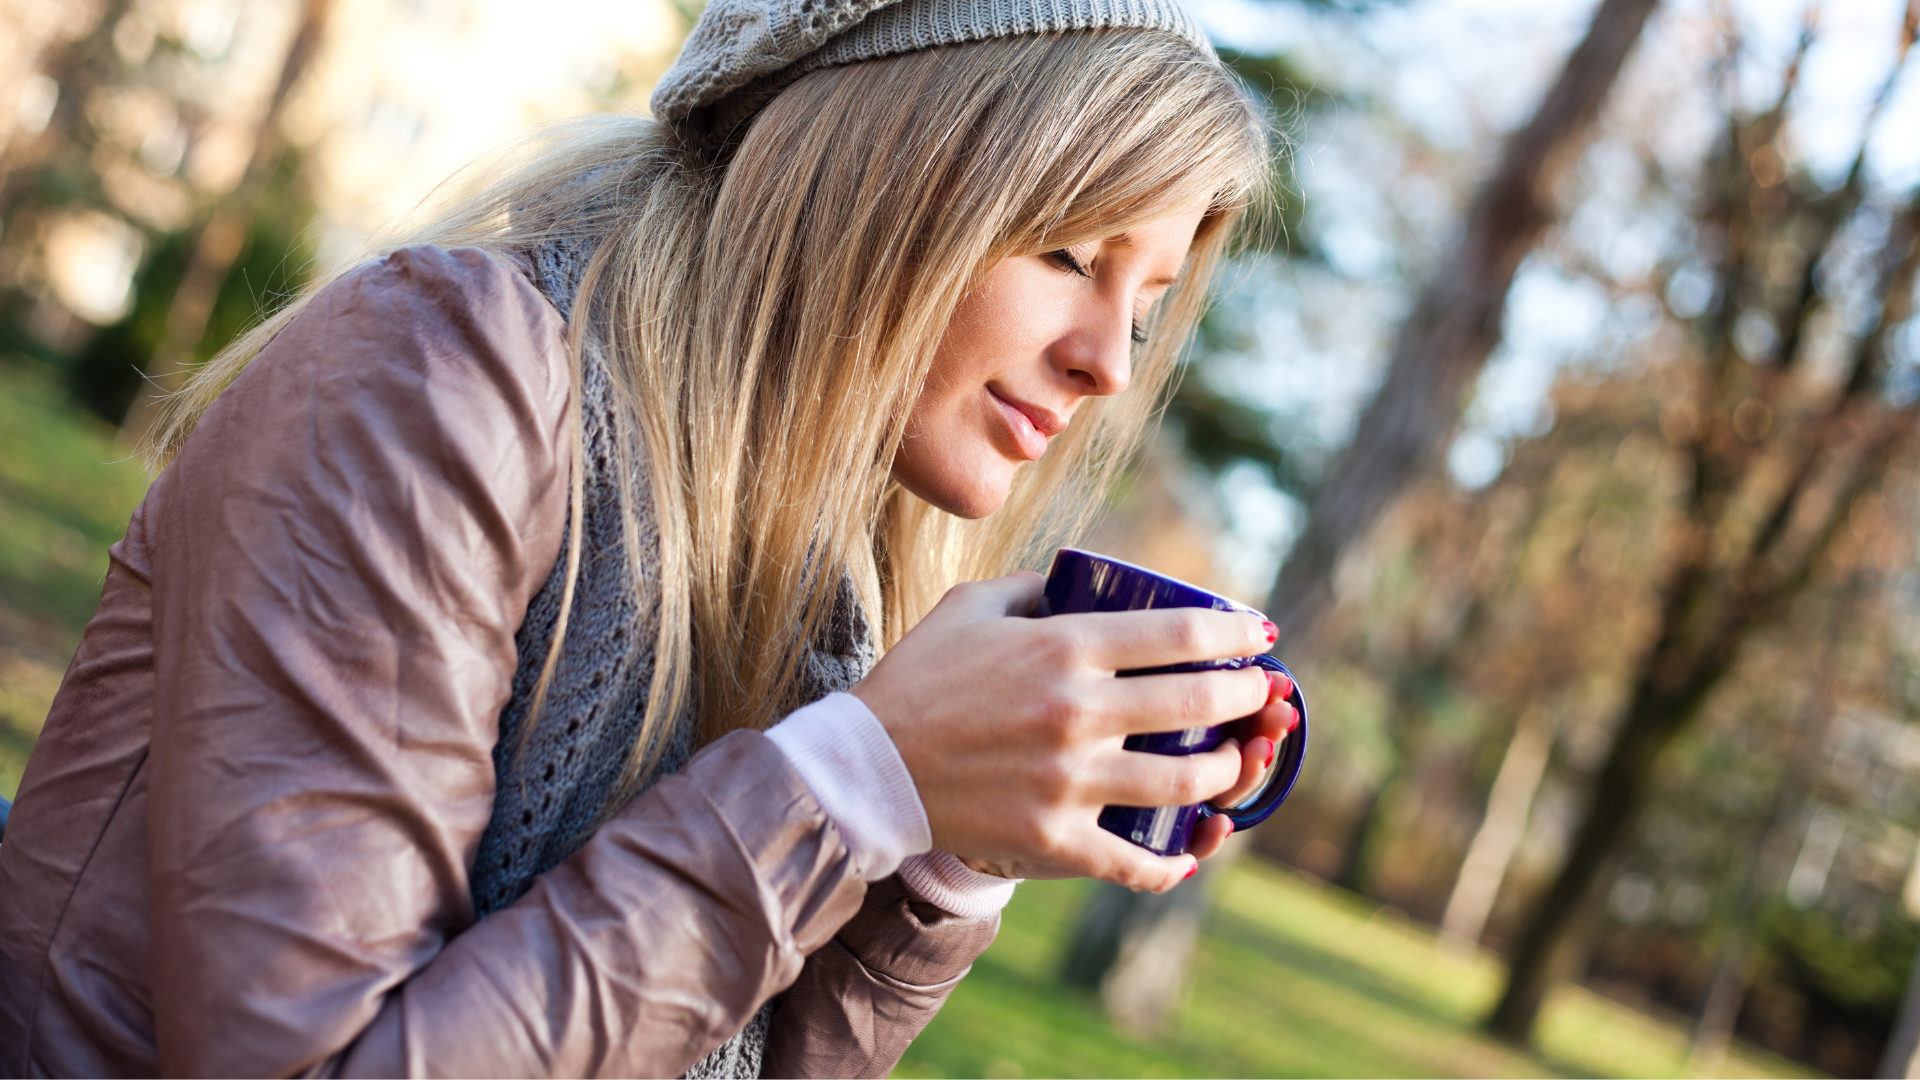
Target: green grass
66,491
1293,978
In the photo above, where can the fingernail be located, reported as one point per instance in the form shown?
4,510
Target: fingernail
1272,748
1293,718
1191,870
1229,829
1273,632
1273,686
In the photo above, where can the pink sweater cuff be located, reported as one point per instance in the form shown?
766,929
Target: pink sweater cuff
947,883
849,763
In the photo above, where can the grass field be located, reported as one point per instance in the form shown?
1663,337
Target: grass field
66,490
1294,979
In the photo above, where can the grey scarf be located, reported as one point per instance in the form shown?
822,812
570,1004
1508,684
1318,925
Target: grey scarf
552,783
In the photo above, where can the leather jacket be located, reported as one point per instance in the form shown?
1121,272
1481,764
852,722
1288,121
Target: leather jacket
242,845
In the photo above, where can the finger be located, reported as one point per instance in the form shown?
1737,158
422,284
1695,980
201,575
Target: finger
1272,722
994,598
1208,835
1130,778
1254,759
1282,684
1123,862
1124,640
1150,703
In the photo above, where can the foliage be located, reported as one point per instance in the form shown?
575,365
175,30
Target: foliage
1220,429
1861,973
274,263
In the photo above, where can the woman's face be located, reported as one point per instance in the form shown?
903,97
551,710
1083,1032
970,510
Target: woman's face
1041,334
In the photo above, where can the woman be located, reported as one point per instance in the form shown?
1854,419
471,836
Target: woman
468,694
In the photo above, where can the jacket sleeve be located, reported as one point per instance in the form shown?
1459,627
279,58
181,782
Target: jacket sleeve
868,993
341,557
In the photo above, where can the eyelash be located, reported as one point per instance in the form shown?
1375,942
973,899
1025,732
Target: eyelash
1076,267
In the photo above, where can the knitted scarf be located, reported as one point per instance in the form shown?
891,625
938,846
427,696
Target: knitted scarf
553,783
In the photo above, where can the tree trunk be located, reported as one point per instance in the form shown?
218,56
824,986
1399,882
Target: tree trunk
1899,1058
221,239
1728,988
1763,868
1553,946
1352,875
1133,948
1509,804
1454,326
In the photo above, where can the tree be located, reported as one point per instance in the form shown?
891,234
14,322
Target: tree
147,146
1454,325
1781,459
221,238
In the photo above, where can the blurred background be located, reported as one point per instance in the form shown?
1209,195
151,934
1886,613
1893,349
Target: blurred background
1566,423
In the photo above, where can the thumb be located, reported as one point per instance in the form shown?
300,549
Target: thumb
995,598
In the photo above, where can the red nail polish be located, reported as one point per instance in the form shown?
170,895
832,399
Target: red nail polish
1272,749
1293,718
1273,687
1273,632
1190,871
1230,824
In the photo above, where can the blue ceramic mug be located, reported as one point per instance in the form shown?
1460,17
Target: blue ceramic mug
1082,582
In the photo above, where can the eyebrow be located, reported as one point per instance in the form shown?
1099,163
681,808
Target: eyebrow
1125,239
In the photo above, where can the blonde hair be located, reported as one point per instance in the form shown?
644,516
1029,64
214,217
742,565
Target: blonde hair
769,307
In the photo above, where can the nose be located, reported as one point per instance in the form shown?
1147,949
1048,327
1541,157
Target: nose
1097,357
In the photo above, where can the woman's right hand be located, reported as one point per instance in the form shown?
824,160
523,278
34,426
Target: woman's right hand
1011,725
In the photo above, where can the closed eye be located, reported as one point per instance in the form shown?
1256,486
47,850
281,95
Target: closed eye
1065,260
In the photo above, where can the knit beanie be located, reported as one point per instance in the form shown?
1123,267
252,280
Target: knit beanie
742,52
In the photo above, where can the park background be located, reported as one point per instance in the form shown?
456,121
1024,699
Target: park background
1564,418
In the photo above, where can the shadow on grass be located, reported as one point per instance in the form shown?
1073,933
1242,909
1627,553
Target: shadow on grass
1304,957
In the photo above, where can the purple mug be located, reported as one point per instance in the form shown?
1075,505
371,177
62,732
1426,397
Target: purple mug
1082,581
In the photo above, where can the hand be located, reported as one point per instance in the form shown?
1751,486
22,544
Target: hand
1011,727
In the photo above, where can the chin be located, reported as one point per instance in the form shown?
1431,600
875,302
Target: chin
972,505
971,497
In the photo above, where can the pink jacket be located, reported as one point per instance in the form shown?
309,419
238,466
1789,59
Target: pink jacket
242,844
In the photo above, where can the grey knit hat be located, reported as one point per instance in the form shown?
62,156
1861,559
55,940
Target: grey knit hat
742,52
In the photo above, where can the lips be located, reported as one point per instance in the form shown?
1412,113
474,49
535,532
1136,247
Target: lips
1031,425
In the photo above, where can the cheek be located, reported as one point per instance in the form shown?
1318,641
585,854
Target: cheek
950,458
1005,322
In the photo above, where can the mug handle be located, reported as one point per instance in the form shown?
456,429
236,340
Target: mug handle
1294,754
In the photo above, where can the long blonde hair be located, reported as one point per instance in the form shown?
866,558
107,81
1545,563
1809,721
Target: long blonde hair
769,306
